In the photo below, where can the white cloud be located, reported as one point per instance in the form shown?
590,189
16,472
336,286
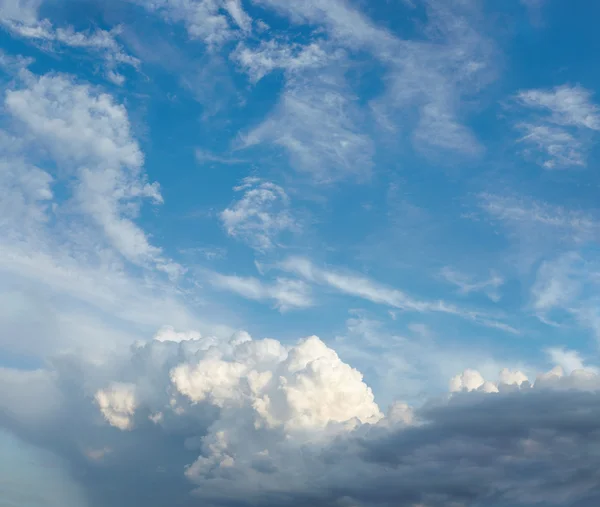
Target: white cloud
531,218
317,122
168,334
562,148
65,263
261,215
286,293
365,288
25,11
564,291
272,54
560,132
271,399
21,18
569,360
557,284
567,105
25,190
472,380
88,133
343,22
466,284
212,21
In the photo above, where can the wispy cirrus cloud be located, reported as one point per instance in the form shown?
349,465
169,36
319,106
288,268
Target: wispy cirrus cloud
365,288
530,217
22,20
318,119
285,293
273,54
562,120
466,284
553,244
91,137
69,260
214,22
317,122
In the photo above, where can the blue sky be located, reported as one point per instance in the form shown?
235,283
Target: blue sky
412,181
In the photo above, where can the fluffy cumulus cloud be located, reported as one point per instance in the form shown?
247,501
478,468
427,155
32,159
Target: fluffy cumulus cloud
247,422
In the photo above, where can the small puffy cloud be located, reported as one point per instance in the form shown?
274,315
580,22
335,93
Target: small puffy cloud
472,380
261,215
117,404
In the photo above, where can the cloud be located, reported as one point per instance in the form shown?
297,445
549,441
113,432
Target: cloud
25,11
272,54
317,122
528,217
246,422
354,285
169,334
117,404
569,360
565,291
562,117
90,134
567,105
466,285
261,215
286,293
318,119
21,18
557,283
212,21
68,258
472,380
413,363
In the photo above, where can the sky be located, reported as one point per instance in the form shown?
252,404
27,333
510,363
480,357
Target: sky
340,253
